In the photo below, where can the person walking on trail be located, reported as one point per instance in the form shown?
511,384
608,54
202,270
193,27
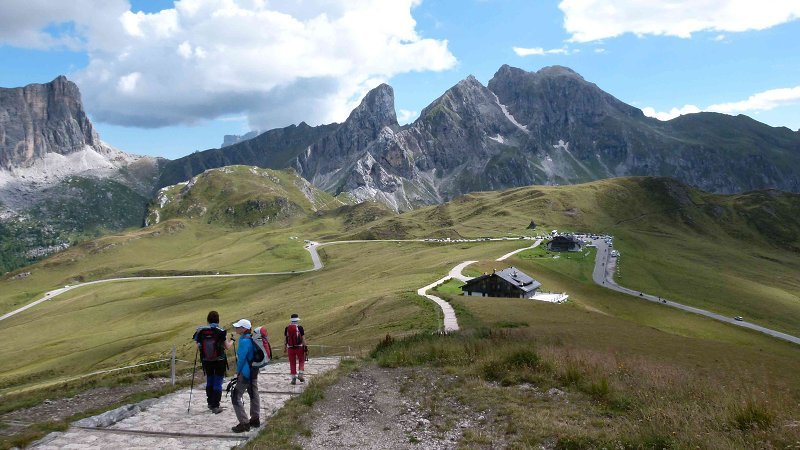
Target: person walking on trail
211,345
294,344
246,380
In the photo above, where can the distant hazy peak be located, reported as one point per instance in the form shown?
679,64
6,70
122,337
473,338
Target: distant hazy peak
230,139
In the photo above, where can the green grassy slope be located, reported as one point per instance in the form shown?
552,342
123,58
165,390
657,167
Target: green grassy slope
75,210
241,196
737,255
368,290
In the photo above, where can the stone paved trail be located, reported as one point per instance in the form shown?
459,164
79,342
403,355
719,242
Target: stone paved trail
165,424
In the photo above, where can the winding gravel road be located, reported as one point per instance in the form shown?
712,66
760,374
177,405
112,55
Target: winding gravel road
603,275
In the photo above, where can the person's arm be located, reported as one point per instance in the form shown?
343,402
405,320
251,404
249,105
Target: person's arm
241,356
196,339
229,342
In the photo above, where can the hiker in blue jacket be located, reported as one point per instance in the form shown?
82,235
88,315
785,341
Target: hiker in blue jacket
246,381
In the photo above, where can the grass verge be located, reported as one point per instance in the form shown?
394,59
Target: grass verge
536,393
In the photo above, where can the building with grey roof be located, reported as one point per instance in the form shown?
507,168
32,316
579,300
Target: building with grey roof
565,243
510,282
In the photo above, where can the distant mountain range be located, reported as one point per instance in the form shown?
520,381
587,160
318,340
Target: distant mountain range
524,128
545,127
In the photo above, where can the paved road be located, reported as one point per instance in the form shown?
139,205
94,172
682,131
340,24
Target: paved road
166,423
603,275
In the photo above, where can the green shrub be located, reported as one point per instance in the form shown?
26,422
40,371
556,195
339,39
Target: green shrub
510,324
571,375
522,359
752,415
599,389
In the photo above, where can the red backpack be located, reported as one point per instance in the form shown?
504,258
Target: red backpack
212,343
293,337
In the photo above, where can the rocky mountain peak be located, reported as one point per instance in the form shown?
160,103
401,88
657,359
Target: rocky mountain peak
42,118
555,96
558,71
376,109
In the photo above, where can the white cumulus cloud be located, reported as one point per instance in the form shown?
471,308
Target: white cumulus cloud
127,83
591,20
762,101
276,62
406,116
539,51
672,113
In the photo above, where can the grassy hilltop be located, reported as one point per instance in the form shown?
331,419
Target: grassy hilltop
738,255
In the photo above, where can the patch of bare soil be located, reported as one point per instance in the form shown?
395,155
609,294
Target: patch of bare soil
15,422
380,408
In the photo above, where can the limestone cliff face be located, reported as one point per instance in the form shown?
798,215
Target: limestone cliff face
42,118
58,180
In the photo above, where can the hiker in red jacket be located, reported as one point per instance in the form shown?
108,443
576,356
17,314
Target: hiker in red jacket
294,342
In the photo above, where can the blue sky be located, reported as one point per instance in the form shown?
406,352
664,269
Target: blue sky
168,78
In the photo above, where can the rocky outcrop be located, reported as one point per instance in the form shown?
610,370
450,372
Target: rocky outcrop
374,118
43,118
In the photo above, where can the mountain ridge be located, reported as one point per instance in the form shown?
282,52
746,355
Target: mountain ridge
548,127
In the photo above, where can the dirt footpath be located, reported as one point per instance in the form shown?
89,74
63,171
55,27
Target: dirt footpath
381,408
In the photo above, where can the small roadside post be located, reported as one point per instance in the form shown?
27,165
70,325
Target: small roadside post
172,366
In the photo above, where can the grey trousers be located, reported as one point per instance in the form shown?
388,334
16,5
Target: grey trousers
251,387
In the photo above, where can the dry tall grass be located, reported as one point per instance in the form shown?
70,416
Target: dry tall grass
609,399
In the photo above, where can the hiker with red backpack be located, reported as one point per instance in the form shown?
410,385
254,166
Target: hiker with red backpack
211,346
294,344
246,379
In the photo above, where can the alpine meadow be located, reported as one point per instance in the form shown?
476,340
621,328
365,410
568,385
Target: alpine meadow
497,224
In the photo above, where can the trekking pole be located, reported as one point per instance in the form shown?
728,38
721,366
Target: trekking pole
194,369
235,355
235,358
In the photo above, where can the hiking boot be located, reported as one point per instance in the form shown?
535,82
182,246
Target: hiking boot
255,422
241,428
300,377
294,380
216,410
